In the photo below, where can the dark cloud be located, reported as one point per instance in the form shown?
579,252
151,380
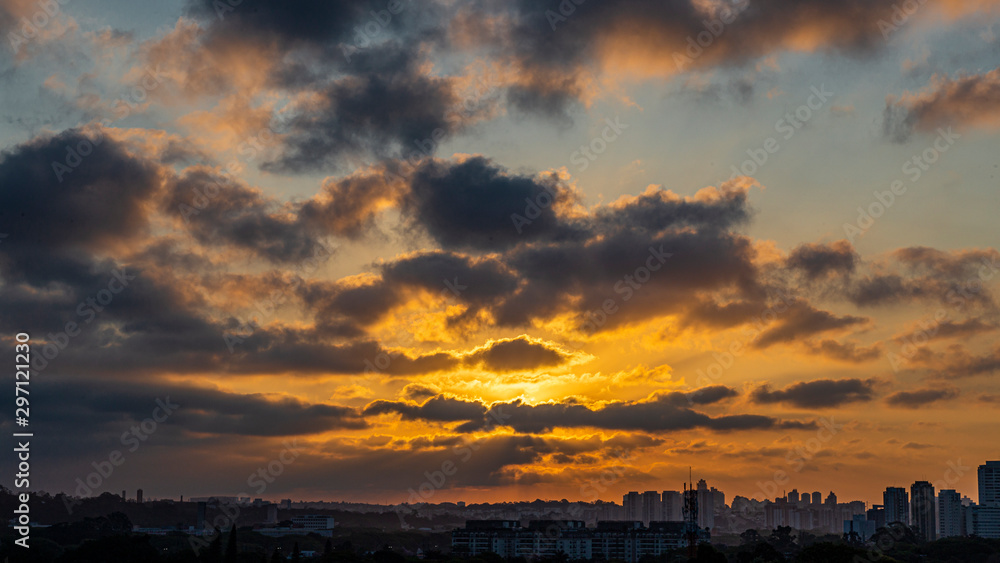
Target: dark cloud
822,393
934,330
66,194
662,413
819,260
516,354
220,210
802,320
920,397
968,99
846,351
472,204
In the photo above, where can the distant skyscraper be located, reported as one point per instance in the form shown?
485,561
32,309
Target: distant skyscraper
817,498
897,505
272,514
632,504
831,499
793,497
651,510
719,499
989,484
951,514
922,507
876,514
672,506
138,496
706,506
200,522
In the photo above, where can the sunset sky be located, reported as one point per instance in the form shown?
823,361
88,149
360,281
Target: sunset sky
544,242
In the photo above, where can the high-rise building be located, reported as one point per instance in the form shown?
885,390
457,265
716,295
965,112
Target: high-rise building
831,500
983,521
632,504
272,514
817,498
706,506
897,505
671,506
876,514
951,514
138,496
719,499
651,510
922,506
989,484
200,522
793,497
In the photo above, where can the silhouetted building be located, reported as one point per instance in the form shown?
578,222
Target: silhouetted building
651,510
200,521
922,505
897,505
627,541
632,502
138,496
817,498
983,521
859,528
793,497
951,514
672,506
706,506
876,514
989,484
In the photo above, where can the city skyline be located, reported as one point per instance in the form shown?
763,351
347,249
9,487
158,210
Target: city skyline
468,250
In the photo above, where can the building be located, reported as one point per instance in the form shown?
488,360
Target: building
983,521
922,510
272,514
200,522
817,498
876,514
138,496
897,505
706,504
859,527
632,503
313,522
793,496
951,517
628,541
989,484
650,507
672,507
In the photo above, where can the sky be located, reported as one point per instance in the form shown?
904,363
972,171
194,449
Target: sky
441,250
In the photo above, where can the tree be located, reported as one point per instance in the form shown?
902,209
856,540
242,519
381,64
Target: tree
296,554
214,553
328,548
231,550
